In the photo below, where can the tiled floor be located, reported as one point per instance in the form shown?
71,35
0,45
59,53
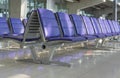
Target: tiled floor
85,64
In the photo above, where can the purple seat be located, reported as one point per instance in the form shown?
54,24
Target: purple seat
103,27
50,27
80,27
112,27
4,28
116,26
5,31
49,23
97,28
108,28
16,26
89,27
67,27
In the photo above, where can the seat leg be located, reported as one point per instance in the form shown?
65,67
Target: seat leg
103,42
50,58
52,54
34,55
97,43
98,46
47,61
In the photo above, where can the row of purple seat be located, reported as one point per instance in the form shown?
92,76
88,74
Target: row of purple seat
12,26
73,28
48,26
61,26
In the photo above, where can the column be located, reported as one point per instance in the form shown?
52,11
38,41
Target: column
115,9
18,8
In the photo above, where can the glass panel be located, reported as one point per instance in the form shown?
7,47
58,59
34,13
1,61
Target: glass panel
34,4
31,5
4,8
61,6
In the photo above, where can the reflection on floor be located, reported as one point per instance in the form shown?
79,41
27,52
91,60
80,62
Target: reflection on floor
86,63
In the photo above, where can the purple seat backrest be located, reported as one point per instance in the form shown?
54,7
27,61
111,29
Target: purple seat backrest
107,26
116,26
88,24
66,24
49,23
96,26
4,28
103,27
17,25
79,24
111,26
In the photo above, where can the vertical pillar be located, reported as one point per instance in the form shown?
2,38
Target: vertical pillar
115,10
18,8
23,9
